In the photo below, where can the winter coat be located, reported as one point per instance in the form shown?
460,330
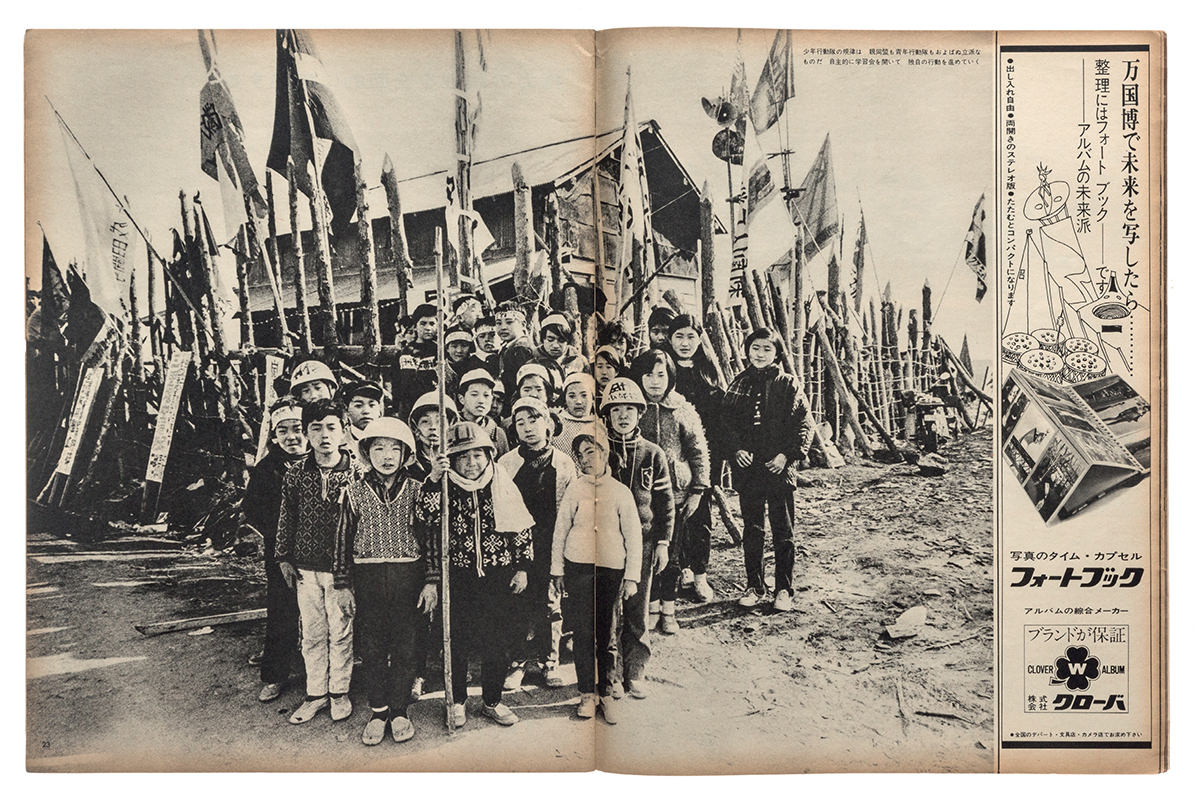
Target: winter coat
673,425
782,428
641,466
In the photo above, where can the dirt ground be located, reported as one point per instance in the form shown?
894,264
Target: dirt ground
821,688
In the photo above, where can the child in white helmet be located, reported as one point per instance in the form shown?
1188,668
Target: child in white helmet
312,381
395,576
491,550
476,397
596,560
641,466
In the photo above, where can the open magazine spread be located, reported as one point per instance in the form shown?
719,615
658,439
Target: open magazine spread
658,401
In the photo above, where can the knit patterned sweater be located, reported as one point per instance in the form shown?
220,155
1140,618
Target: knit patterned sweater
476,547
380,524
309,511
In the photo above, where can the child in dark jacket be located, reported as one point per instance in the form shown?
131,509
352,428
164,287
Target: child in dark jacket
765,422
697,380
261,507
641,466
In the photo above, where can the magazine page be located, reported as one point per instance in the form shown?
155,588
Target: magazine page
1081,656
888,205
173,182
851,626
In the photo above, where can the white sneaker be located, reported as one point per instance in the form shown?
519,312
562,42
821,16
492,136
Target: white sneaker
514,679
340,707
687,579
402,729
587,706
704,592
751,598
783,600
308,710
458,715
501,714
610,709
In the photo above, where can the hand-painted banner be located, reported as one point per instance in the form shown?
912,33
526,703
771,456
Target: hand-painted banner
164,429
80,414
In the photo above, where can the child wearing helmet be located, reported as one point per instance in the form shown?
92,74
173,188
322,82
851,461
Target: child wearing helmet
641,466
476,397
364,403
312,381
541,472
578,413
425,421
596,560
765,416
671,423
395,580
491,550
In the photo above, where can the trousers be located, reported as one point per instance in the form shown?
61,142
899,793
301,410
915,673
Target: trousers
481,613
593,603
780,505
283,627
635,618
326,633
386,626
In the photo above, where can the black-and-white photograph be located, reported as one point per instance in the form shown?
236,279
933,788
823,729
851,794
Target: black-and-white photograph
510,400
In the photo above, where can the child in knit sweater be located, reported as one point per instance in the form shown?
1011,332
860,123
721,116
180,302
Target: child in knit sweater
596,561
395,578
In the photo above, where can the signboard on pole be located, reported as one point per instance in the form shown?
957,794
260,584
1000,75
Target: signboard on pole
274,370
164,428
80,414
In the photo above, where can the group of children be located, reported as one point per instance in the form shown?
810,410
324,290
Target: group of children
597,516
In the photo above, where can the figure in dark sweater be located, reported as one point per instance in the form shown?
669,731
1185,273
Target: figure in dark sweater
261,507
764,417
640,466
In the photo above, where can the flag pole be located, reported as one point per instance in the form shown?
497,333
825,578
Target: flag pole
121,204
447,677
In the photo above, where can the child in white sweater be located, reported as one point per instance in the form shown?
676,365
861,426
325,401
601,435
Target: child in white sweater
596,559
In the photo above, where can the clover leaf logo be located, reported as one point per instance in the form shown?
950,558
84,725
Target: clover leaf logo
1077,669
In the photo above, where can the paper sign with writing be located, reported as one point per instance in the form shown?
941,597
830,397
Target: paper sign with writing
80,413
164,429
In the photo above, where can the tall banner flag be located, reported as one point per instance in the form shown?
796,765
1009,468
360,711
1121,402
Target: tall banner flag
964,356
56,297
222,147
815,211
776,84
107,231
860,248
310,126
976,251
634,194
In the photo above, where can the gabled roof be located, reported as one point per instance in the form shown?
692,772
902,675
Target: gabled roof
541,165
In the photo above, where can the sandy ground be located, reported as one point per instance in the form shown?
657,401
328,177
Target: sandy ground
821,688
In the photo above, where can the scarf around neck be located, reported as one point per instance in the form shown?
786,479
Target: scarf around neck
511,513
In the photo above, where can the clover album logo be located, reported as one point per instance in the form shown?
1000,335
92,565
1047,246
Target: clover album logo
1077,669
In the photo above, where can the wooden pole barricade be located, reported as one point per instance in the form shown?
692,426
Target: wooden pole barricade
708,289
299,280
840,385
964,375
447,680
135,326
156,342
320,231
197,314
524,238
273,265
164,431
369,296
404,264
246,329
750,295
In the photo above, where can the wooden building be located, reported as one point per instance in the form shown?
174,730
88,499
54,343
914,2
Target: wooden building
572,169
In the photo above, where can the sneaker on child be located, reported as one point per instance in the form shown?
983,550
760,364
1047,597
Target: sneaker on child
783,600
751,598
308,709
587,706
501,714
